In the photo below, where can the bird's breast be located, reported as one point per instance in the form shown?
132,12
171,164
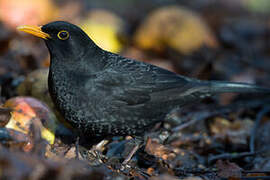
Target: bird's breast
64,92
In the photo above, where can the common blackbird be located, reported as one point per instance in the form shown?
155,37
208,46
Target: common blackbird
103,94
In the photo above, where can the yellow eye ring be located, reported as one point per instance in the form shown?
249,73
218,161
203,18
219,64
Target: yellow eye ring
63,35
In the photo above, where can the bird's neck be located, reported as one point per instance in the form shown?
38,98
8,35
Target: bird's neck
90,60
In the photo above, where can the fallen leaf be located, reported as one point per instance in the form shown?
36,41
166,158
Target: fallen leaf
104,27
227,169
26,110
175,27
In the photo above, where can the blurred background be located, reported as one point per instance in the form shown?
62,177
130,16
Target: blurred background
207,39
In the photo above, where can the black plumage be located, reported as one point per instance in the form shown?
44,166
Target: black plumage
103,94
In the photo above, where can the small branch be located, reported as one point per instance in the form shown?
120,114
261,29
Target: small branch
259,117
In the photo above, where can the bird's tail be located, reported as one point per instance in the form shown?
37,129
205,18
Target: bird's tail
198,89
214,87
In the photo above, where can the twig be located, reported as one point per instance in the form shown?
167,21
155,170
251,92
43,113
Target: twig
249,178
198,116
255,172
231,156
259,117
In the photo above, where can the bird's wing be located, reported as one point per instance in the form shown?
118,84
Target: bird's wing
133,82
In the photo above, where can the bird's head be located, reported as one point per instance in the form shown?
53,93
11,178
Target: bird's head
64,40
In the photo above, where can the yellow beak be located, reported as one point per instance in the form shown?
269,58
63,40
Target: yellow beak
34,30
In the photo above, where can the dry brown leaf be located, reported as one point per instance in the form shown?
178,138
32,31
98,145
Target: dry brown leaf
175,27
154,148
227,169
237,131
27,110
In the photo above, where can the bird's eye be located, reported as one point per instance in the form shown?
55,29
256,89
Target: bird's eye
63,35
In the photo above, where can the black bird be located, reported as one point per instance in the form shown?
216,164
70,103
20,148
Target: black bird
103,94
